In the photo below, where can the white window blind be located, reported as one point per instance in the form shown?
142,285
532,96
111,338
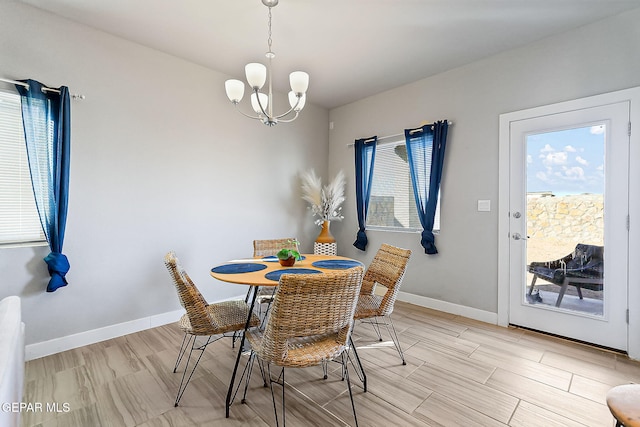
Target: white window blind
392,205
19,221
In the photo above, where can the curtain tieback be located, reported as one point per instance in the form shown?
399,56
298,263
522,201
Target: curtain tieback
428,242
58,266
361,240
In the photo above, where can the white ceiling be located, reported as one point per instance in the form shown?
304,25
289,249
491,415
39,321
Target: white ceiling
351,48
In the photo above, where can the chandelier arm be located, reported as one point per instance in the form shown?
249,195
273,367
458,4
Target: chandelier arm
255,90
245,114
290,110
278,117
289,120
285,114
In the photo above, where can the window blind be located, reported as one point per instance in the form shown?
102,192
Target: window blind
19,221
392,204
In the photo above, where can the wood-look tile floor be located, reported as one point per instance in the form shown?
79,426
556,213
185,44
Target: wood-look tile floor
459,372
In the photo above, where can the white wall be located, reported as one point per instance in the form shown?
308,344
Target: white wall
160,161
594,59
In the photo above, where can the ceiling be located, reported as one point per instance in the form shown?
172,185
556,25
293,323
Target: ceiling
351,48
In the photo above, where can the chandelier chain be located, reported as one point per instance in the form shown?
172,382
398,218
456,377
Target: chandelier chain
269,39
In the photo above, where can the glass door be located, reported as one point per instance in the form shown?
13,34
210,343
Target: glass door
568,213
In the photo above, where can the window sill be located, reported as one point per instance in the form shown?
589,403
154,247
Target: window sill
398,230
22,244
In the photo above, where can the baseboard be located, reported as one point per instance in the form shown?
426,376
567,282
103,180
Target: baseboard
57,345
448,307
46,348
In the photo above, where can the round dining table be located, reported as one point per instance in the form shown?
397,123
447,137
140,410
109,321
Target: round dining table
266,271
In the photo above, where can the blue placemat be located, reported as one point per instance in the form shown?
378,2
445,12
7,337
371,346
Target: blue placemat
246,267
273,258
275,275
336,264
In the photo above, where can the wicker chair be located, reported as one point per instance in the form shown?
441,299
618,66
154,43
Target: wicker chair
310,323
387,269
263,248
201,318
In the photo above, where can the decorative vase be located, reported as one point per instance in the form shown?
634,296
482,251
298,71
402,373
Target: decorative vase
325,235
287,262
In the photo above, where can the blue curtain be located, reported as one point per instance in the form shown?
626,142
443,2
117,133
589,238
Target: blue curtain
425,152
365,156
47,130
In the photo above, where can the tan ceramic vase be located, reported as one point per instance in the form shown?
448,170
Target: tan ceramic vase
325,234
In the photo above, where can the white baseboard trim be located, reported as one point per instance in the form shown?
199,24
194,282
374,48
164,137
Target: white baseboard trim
448,307
46,348
57,345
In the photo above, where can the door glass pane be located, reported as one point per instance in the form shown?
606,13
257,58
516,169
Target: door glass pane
565,219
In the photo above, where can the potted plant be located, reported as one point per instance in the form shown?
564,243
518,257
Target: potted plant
287,256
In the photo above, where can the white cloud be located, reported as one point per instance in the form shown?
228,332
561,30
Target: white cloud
569,149
582,161
529,158
547,149
557,158
600,168
597,130
575,173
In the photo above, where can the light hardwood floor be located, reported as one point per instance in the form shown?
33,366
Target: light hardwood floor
459,372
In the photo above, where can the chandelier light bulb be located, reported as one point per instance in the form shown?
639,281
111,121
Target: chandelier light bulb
256,75
293,99
235,90
299,81
264,101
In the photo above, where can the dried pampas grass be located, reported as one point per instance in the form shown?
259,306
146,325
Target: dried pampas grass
325,201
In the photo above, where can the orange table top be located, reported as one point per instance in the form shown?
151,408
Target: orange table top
257,278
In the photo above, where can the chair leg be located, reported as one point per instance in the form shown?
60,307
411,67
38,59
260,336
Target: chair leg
248,368
563,289
376,327
533,283
183,384
394,338
579,289
280,381
357,366
346,374
183,348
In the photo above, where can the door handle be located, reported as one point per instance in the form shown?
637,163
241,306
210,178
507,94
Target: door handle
517,236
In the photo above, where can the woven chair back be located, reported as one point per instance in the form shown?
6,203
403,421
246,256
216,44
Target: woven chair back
387,268
271,247
190,297
311,305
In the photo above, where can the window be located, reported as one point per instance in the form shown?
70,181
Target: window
392,205
19,221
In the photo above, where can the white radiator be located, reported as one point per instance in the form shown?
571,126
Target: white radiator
11,361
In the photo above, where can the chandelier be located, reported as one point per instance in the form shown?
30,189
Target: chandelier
257,75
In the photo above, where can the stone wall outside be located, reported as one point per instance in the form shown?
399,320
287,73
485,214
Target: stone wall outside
555,224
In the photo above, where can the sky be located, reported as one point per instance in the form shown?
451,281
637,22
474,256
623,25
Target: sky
569,161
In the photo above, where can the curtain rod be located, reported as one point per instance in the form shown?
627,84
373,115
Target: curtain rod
450,123
15,82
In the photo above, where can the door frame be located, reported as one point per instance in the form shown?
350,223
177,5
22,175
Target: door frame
633,96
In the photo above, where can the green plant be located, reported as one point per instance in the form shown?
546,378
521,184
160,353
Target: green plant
286,253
